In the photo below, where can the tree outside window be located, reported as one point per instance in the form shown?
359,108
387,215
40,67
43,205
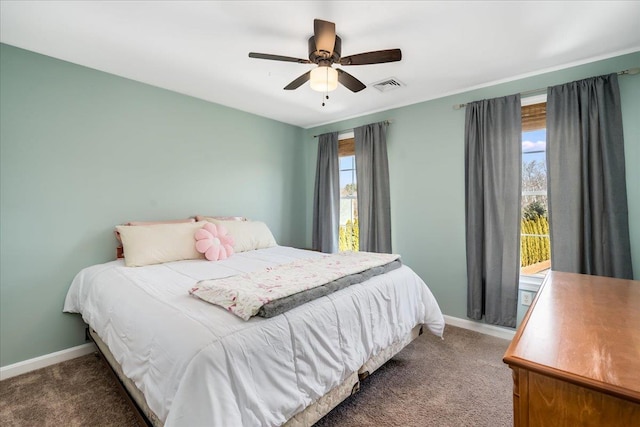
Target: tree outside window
348,234
535,248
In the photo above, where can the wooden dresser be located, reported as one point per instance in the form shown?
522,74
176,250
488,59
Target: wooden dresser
576,356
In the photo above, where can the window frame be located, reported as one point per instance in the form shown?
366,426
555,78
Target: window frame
346,148
534,281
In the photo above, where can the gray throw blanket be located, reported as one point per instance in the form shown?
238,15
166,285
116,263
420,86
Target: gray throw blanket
281,305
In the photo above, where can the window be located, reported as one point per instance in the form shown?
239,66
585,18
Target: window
348,235
535,247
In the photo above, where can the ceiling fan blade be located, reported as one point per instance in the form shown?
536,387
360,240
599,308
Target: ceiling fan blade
376,57
278,58
325,35
299,81
350,82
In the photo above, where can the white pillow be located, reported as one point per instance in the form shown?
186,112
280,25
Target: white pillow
155,244
248,235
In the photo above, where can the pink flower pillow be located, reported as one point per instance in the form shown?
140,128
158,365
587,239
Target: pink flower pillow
214,242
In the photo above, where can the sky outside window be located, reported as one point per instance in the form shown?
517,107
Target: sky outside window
534,145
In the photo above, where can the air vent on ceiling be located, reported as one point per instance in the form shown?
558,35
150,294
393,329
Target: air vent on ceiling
388,84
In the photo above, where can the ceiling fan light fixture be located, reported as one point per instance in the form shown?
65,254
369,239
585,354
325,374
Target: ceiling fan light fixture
324,79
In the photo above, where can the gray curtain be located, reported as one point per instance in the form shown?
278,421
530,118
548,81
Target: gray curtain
586,179
493,164
372,175
326,201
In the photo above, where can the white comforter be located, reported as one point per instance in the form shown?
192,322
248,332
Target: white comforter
199,365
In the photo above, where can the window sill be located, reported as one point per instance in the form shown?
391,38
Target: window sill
530,283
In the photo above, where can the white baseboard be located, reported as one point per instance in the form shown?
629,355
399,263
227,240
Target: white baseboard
483,328
46,360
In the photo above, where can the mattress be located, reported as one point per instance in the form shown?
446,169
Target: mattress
197,364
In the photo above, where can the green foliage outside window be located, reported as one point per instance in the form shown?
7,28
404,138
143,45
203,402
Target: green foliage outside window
534,243
349,236
534,210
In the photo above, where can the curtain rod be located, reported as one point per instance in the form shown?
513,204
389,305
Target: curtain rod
630,71
388,122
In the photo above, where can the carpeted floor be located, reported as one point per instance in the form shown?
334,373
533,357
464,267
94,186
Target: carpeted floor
79,392
458,381
455,382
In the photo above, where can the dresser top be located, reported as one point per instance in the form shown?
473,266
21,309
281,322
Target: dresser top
583,329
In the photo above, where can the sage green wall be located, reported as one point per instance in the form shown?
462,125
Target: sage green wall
426,167
82,151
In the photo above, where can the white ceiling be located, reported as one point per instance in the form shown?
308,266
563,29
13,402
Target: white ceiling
200,48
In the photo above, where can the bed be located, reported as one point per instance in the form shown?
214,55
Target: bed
187,362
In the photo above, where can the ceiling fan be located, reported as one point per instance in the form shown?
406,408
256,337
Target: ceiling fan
324,50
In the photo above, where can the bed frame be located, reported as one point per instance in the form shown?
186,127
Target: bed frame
309,416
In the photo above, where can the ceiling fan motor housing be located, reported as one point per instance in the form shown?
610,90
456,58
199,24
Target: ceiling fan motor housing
324,58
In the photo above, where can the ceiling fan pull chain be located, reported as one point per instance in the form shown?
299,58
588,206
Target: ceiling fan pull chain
326,96
326,87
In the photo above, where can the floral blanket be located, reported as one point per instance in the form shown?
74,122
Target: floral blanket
246,294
